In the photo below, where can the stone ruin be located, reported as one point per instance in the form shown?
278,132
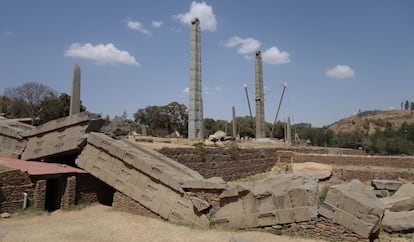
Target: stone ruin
182,196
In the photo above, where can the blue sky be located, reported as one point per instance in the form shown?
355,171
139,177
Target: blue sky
337,57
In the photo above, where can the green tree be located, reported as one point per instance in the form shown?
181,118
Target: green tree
245,125
164,120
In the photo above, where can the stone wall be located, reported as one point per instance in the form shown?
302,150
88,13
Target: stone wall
90,189
69,194
124,203
319,228
360,160
13,183
365,175
39,194
230,164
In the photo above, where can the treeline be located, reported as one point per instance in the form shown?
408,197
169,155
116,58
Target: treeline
43,104
36,101
389,141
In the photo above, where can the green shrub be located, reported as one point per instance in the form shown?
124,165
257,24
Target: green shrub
322,194
234,151
201,150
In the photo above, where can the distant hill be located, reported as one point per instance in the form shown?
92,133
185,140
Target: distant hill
370,120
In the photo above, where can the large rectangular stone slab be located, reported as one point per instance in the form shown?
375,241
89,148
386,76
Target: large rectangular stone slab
60,137
147,177
286,198
354,206
12,143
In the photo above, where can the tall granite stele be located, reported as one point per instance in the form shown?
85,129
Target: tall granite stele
75,97
260,120
195,112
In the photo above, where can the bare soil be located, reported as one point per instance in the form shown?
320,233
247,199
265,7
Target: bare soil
102,223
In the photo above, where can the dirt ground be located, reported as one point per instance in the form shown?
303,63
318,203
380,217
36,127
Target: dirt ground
102,223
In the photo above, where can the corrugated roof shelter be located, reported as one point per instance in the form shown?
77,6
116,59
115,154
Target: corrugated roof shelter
35,168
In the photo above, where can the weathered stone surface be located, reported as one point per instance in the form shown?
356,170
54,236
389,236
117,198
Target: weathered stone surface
61,136
144,175
402,200
398,204
5,215
12,143
354,206
398,221
381,193
390,185
286,198
320,171
406,190
200,204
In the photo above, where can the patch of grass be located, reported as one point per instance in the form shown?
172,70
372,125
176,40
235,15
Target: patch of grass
276,231
234,151
29,212
322,194
77,207
201,150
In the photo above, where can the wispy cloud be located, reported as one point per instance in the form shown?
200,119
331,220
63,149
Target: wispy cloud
244,46
100,54
212,90
157,24
274,56
137,26
341,72
206,90
203,12
6,33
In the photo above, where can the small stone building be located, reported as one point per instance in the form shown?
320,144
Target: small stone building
47,186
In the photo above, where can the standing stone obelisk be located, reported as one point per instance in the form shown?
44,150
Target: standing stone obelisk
195,112
260,120
75,97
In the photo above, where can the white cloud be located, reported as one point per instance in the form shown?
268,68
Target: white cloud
100,54
244,46
203,12
137,26
186,90
6,33
157,24
274,56
341,72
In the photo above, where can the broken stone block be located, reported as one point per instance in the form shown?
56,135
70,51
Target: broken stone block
390,185
398,221
145,176
12,143
60,136
200,204
402,200
321,171
354,206
381,193
406,190
285,198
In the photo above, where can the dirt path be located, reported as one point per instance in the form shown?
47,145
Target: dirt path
101,223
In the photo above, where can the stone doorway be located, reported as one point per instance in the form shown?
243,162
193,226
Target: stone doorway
53,194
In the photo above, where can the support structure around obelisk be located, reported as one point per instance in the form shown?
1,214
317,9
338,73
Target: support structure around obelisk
195,112
260,120
75,96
